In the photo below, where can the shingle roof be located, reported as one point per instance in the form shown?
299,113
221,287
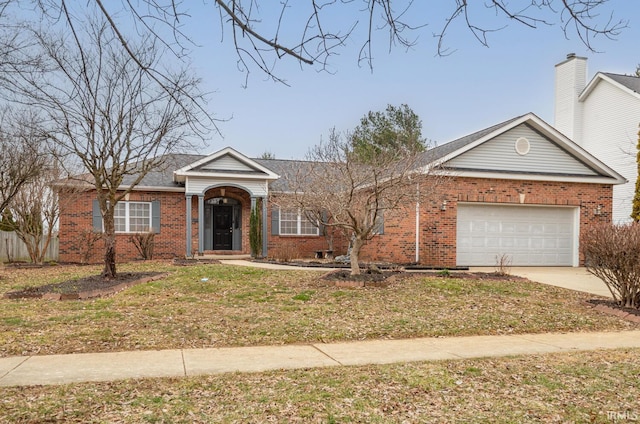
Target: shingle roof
163,176
287,169
443,150
631,82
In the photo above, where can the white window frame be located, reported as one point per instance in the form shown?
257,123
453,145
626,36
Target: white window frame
301,218
127,216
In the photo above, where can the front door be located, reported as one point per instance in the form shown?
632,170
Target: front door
222,227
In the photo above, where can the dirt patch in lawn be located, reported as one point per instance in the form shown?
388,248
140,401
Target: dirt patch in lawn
86,287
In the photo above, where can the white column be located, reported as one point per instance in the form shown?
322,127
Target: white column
200,224
188,214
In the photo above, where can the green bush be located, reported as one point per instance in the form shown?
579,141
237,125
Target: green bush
255,231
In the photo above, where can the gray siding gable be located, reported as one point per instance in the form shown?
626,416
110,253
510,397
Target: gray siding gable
499,155
227,163
445,149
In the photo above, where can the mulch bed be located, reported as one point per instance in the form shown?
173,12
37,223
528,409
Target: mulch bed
377,278
86,288
343,278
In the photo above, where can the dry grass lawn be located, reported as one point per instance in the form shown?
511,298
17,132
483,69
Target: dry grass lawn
245,306
240,306
584,387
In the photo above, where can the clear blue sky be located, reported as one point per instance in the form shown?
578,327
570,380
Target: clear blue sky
471,89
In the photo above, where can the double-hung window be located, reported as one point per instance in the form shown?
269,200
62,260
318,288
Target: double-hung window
295,223
132,217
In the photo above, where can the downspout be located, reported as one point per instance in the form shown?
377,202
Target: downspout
417,222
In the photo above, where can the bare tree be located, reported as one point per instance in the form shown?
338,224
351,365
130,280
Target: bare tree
342,189
21,153
311,32
105,111
306,31
36,209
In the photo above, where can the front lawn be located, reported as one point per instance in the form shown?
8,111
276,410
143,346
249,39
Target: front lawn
240,306
577,387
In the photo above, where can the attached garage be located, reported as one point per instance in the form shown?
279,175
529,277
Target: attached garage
528,235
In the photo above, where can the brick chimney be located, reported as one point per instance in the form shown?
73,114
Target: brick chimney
571,79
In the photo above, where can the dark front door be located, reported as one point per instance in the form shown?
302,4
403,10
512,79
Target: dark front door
222,227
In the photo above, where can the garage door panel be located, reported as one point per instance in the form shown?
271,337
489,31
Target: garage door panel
492,242
564,243
508,227
478,242
478,226
528,235
537,243
493,227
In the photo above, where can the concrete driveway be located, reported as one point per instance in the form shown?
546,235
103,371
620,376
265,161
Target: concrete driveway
567,277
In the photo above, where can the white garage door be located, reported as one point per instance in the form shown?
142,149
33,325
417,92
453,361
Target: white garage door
528,235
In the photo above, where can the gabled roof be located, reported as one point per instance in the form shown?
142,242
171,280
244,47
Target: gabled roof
446,154
627,83
444,150
230,164
225,163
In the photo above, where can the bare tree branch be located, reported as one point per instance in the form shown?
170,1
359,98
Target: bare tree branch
22,153
105,110
312,32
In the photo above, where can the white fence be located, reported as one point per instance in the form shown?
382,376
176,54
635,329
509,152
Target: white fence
13,249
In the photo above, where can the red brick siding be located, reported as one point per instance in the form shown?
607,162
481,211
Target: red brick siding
302,247
437,231
76,220
170,242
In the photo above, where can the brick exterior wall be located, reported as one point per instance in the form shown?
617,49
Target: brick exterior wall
437,228
76,228
284,247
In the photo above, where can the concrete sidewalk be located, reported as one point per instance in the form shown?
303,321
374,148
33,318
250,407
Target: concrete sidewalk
91,367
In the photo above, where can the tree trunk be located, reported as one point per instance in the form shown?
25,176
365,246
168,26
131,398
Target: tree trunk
355,254
109,270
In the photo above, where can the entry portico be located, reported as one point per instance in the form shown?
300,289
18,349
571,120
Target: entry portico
227,185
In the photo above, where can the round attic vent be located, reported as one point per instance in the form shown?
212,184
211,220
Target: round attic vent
522,146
